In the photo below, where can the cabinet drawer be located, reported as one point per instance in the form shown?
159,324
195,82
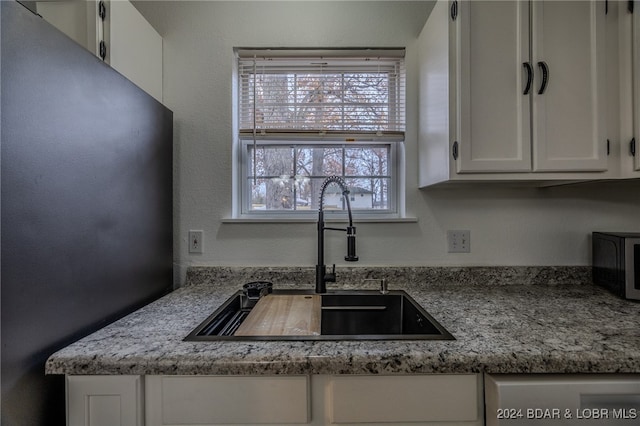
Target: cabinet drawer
380,399
214,400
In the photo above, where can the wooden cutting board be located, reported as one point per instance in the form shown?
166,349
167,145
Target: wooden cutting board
283,315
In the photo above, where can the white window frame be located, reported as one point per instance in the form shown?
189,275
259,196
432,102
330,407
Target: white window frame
393,166
241,209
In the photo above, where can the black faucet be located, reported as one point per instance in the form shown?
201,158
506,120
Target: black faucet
322,276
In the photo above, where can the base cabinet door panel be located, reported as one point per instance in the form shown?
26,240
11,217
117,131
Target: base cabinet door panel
220,400
415,399
105,401
562,399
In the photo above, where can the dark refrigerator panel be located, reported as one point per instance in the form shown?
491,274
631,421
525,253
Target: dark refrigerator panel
86,209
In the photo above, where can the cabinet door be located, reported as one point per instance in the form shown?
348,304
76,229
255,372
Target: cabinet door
403,399
570,115
223,400
104,401
549,399
636,85
134,47
77,19
493,123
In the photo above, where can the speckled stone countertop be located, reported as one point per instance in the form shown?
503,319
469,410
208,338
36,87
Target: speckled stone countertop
505,320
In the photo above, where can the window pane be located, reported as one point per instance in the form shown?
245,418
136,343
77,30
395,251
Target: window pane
272,194
290,177
369,193
367,161
271,161
319,161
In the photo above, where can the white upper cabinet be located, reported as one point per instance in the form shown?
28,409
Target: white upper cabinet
134,48
569,116
635,143
120,35
629,88
513,90
77,19
493,118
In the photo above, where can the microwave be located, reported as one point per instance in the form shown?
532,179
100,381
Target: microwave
616,262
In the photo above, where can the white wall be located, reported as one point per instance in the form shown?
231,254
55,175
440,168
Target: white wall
522,226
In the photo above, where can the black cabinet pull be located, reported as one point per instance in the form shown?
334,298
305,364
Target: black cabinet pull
545,77
529,69
102,10
454,10
632,147
103,50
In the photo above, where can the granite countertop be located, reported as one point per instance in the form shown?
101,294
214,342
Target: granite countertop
505,320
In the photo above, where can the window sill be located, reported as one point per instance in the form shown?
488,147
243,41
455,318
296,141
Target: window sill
293,220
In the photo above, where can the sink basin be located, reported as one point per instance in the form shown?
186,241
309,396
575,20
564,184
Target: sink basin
345,315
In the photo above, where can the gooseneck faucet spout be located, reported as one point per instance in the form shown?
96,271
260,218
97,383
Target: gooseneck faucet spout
322,276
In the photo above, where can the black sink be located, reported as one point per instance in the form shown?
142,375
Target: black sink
346,315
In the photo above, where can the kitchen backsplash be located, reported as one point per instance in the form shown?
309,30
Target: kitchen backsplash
396,276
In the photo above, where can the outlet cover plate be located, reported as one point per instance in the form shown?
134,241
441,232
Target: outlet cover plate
459,241
196,241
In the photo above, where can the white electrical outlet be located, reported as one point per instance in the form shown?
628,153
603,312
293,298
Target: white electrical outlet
459,241
196,241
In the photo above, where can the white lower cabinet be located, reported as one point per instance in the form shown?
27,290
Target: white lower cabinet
416,399
220,400
105,401
433,399
562,399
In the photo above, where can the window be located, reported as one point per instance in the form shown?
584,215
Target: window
307,115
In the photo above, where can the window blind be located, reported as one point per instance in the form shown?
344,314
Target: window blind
283,93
